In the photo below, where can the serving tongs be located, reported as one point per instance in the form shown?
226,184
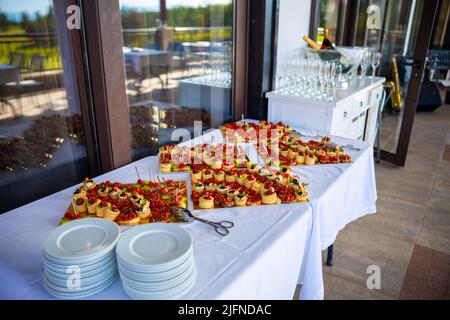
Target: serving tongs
301,135
221,227
350,146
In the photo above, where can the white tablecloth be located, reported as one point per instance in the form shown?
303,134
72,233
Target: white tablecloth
270,248
143,59
260,259
339,194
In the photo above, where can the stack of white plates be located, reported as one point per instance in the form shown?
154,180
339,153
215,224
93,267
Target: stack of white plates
79,258
156,262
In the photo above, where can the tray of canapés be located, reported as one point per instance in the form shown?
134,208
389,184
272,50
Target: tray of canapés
176,158
251,132
292,151
279,144
127,204
252,186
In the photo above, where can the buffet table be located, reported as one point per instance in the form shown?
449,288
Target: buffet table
239,266
270,250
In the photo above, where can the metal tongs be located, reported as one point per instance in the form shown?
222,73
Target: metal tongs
300,134
350,146
221,227
347,146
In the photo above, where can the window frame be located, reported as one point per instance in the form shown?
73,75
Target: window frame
110,103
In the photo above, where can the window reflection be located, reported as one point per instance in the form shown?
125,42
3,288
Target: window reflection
178,58
396,41
41,125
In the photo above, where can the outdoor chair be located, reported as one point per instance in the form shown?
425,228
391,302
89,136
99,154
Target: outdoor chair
35,68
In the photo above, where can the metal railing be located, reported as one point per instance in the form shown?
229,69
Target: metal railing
46,44
29,44
145,37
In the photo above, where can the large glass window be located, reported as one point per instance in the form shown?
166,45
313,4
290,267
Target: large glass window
332,14
443,21
41,124
178,59
396,40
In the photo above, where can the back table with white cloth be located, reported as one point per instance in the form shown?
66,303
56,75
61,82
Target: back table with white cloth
141,58
268,250
148,62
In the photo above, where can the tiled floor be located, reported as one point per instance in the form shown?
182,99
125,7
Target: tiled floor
409,237
428,275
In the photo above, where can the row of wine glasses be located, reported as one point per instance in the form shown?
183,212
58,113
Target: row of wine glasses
317,79
216,70
309,78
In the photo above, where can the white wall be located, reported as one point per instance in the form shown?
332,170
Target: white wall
293,24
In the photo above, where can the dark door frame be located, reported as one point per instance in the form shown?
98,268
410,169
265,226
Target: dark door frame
262,26
427,21
77,38
240,58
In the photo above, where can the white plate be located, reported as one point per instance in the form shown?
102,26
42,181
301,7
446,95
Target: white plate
79,295
158,286
64,290
154,245
139,295
157,269
83,238
83,273
84,281
83,268
86,261
159,275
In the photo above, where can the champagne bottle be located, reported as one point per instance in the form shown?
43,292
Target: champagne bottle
327,55
326,43
311,42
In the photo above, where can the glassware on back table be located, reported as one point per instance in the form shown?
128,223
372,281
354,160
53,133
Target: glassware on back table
365,63
323,66
331,82
376,59
316,78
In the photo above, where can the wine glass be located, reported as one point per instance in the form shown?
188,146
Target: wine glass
307,77
320,79
376,59
315,74
302,73
338,75
331,81
281,76
365,63
297,69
